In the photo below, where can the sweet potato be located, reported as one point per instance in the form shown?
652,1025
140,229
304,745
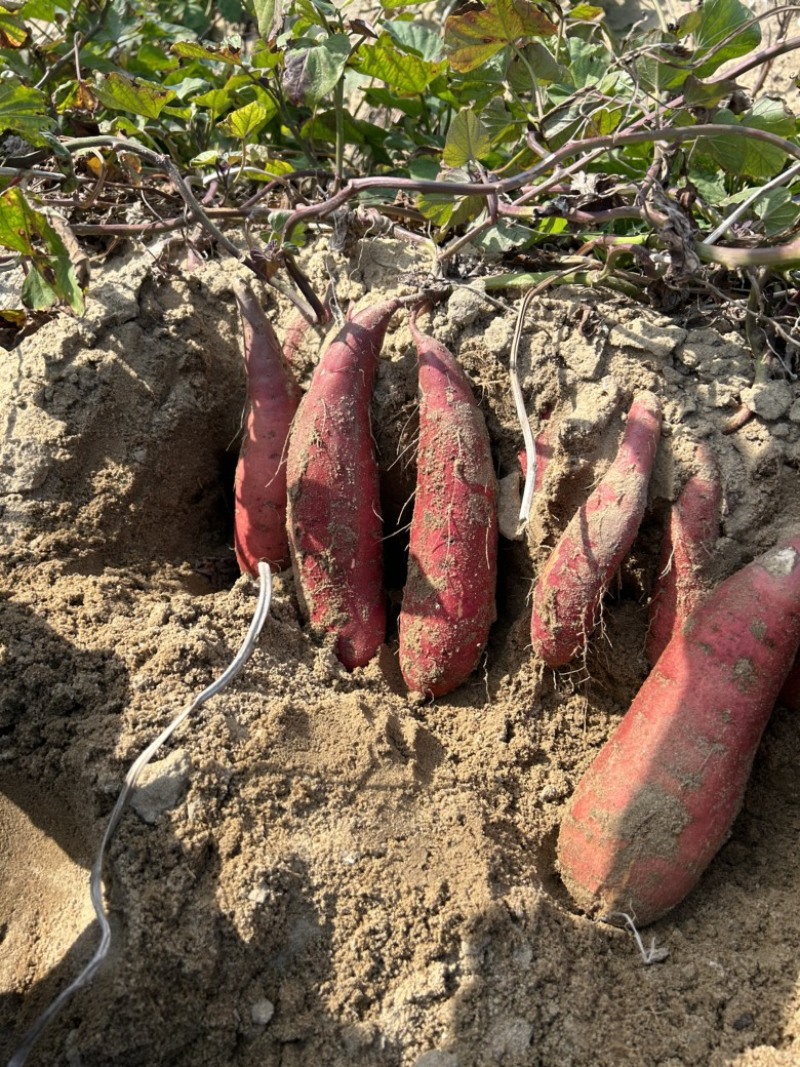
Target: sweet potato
260,483
691,533
660,798
334,518
449,597
566,600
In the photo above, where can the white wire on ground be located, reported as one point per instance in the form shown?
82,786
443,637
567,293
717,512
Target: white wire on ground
131,780
522,415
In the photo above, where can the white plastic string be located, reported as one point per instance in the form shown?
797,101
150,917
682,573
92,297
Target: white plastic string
522,415
131,780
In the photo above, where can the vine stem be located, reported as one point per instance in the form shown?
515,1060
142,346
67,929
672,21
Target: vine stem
590,147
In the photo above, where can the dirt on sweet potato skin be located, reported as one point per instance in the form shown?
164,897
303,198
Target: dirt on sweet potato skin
348,877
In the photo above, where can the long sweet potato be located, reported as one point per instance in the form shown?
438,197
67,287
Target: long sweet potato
566,600
449,597
660,798
691,533
334,518
260,483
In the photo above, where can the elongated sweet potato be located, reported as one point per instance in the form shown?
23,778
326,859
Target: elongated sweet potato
691,533
566,600
260,484
449,598
334,518
660,798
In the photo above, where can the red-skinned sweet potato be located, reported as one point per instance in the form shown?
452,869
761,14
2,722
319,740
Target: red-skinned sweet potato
449,597
690,536
260,483
334,518
568,592
660,798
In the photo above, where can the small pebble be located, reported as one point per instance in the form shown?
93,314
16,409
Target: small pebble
262,1011
161,786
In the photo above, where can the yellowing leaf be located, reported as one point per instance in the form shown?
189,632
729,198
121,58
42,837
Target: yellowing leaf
13,32
467,139
474,37
401,71
134,95
190,50
246,121
27,231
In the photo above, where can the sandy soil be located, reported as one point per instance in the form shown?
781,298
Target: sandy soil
343,876
323,871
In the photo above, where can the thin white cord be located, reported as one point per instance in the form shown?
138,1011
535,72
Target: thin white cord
131,780
522,415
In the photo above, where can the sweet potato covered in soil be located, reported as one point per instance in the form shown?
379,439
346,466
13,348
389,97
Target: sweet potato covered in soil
660,798
334,517
260,483
569,590
692,531
449,598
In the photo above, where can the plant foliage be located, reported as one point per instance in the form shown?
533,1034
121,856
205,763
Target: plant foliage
294,99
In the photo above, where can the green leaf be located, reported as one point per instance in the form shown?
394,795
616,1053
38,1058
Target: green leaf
187,89
322,127
393,5
311,73
475,36
217,101
711,187
134,95
504,237
447,210
747,156
264,57
231,10
37,293
499,122
269,17
718,20
777,211
588,63
467,139
705,94
416,38
22,110
208,158
663,64
533,60
586,13
246,121
149,59
44,10
403,72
